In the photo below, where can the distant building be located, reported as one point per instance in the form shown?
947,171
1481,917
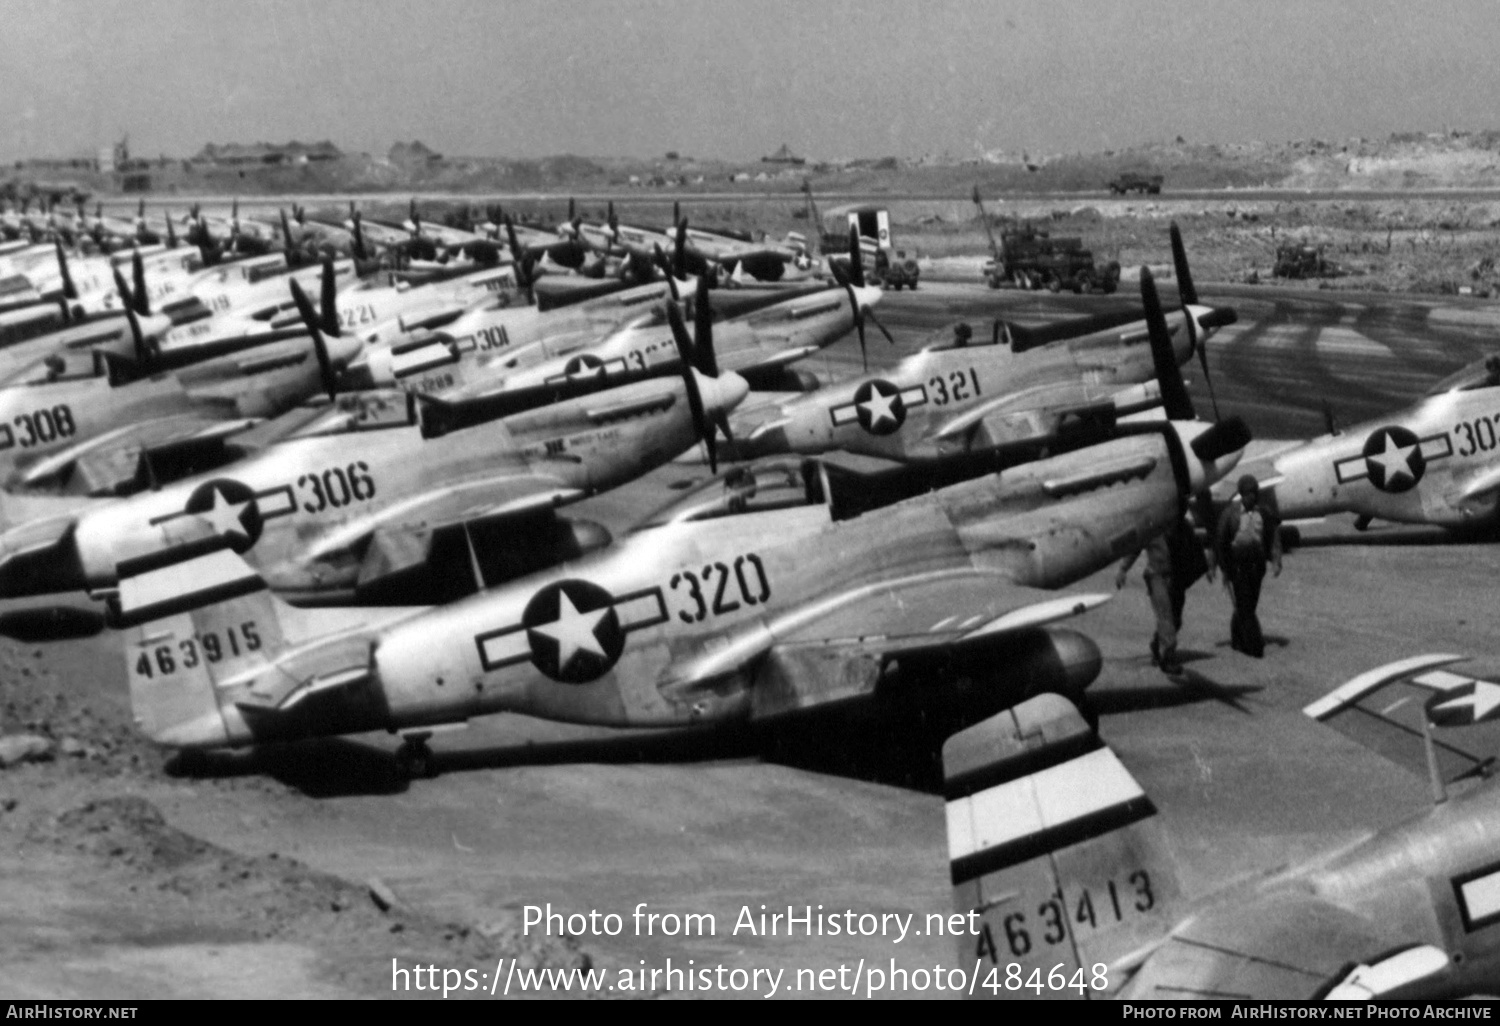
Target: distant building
783,156
244,155
413,153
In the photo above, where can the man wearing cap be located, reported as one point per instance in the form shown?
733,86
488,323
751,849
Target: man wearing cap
1246,539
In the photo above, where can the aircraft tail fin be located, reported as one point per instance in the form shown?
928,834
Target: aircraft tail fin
193,619
1057,857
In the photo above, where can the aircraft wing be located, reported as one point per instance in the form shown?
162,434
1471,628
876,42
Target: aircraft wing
839,642
1481,484
1284,946
1384,709
107,463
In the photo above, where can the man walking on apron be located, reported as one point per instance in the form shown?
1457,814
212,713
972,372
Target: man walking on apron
1246,539
1174,560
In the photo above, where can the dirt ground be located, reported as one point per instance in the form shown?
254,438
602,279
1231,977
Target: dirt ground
264,874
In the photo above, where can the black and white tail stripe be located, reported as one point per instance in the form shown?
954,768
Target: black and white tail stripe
1038,801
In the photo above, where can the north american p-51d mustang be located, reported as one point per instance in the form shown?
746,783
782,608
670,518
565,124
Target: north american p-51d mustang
962,394
754,596
1436,462
364,502
113,427
1061,857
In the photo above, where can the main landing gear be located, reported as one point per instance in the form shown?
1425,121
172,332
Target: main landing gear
414,759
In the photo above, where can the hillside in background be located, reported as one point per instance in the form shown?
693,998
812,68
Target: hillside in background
1401,161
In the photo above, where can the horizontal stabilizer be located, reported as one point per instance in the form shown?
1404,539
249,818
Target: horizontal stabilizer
1385,708
159,589
1047,785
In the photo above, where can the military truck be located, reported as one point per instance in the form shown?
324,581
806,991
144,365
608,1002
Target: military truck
1134,181
889,268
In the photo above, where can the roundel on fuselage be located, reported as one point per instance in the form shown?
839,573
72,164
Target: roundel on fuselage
584,363
1393,459
573,631
230,508
879,407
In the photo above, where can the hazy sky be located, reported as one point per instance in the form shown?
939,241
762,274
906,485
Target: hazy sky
736,78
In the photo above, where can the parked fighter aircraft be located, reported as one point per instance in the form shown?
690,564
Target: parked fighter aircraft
469,351
1435,462
961,394
1061,859
108,429
761,346
356,504
748,598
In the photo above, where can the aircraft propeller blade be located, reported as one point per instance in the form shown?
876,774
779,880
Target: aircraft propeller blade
171,232
869,313
703,342
856,259
1329,427
695,398
138,339
1174,395
69,290
703,329
1189,296
842,277
416,222
320,346
138,269
328,301
679,252
666,270
360,252
286,235
525,264
1223,438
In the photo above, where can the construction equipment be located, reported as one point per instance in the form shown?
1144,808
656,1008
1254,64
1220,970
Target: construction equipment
1134,181
1026,257
1304,260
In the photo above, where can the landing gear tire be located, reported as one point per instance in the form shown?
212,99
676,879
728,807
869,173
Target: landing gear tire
1362,522
414,759
187,762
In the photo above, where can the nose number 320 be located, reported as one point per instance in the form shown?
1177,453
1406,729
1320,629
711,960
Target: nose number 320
720,588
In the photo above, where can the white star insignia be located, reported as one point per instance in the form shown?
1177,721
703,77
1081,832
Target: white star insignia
226,518
878,407
573,631
1395,459
1483,700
